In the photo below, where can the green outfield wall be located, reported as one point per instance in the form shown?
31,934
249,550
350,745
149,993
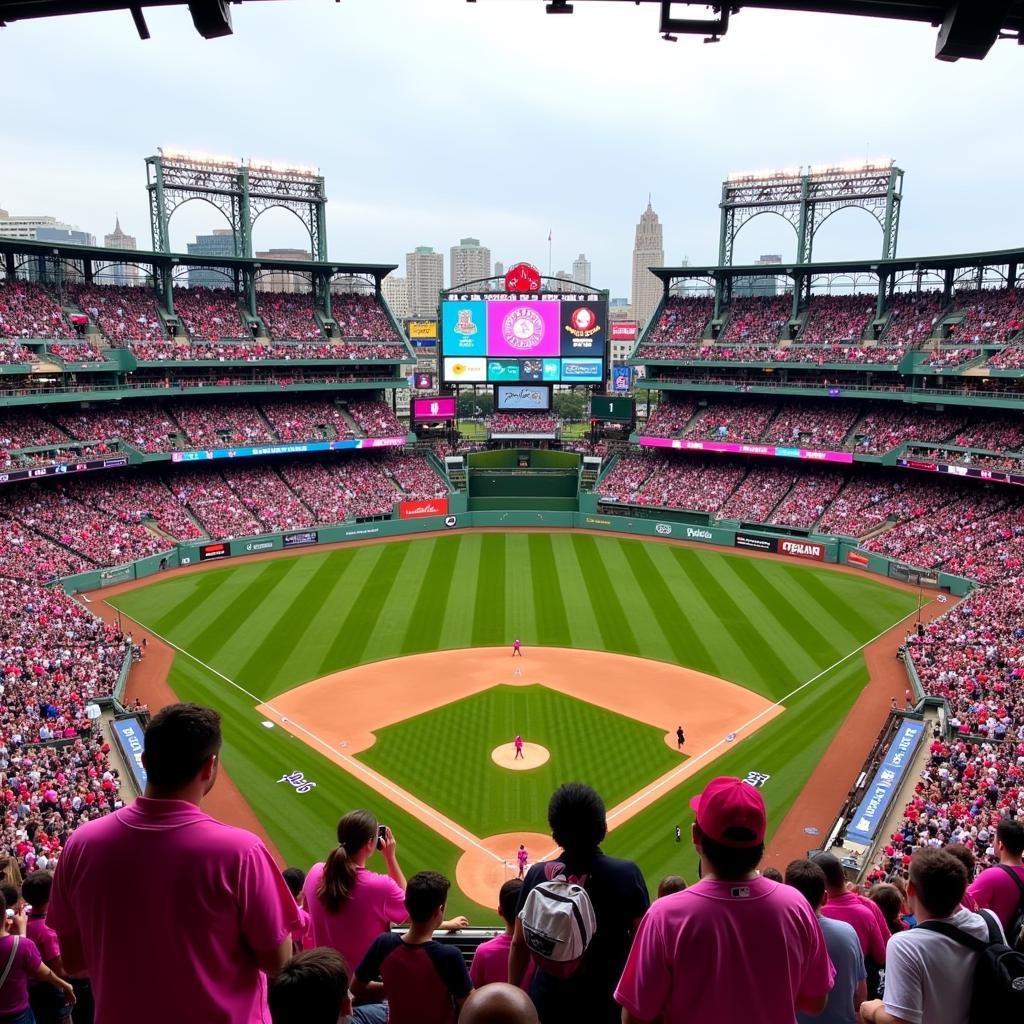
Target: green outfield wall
653,524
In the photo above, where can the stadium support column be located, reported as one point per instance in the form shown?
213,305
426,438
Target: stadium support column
883,280
249,278
167,286
243,236
158,217
805,226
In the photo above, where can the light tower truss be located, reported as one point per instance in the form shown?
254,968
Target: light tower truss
241,190
805,199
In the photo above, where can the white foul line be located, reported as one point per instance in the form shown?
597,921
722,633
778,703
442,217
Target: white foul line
354,765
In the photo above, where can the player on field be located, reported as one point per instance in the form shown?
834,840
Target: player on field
517,648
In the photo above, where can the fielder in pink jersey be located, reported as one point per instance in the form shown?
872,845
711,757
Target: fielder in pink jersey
517,648
522,857
518,742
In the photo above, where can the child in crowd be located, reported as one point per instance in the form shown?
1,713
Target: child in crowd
490,962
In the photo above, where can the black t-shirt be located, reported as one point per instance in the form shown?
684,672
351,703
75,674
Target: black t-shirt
421,981
619,895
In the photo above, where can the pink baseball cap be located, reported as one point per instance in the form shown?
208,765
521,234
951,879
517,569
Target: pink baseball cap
729,803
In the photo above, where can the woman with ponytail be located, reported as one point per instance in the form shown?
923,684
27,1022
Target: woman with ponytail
349,905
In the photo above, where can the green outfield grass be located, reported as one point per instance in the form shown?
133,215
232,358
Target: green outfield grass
268,626
444,756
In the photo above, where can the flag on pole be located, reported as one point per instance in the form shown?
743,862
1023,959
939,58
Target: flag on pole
549,234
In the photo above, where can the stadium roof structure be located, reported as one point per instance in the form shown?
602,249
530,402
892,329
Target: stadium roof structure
967,28
1012,258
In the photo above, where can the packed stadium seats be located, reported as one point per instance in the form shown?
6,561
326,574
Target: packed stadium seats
989,315
523,423
29,311
288,316
361,317
208,314
757,321
121,312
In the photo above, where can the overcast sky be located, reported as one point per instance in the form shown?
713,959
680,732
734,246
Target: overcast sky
436,119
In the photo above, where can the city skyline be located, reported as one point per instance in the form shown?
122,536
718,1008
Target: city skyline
383,202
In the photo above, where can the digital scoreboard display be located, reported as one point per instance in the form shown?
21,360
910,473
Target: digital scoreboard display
524,339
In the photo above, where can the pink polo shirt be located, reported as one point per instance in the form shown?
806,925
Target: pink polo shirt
490,963
726,951
376,903
994,890
44,937
873,936
169,906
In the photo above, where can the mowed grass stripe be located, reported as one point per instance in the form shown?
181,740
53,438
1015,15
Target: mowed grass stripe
199,589
489,614
461,607
286,632
381,575
815,586
423,632
743,628
806,634
520,614
675,624
234,615
552,621
616,631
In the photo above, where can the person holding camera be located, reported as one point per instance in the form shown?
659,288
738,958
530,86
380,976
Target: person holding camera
350,905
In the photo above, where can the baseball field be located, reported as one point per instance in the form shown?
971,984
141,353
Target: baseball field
381,675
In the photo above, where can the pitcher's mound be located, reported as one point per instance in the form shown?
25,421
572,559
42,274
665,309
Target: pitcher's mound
534,755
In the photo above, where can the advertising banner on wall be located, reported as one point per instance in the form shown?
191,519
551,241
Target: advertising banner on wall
521,329
754,542
210,551
583,328
886,783
439,407
419,330
300,538
423,509
130,736
623,330
802,549
622,379
524,398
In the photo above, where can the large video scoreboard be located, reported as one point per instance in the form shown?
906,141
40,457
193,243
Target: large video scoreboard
560,338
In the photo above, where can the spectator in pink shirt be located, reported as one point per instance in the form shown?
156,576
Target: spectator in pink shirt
847,906
490,961
21,962
48,1004
217,913
1001,888
734,946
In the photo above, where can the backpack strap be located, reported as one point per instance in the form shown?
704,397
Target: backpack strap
10,960
958,935
1016,881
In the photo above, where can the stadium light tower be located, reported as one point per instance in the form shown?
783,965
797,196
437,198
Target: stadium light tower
805,199
241,190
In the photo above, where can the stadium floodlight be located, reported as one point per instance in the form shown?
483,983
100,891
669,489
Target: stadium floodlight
193,157
278,167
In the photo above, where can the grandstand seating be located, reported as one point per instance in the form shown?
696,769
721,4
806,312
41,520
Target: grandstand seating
361,317
121,312
29,311
912,318
288,316
208,314
758,320
835,318
989,314
522,423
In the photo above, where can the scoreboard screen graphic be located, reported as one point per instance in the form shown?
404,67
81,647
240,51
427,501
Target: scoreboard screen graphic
524,339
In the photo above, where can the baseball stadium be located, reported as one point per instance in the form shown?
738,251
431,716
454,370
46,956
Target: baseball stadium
438,566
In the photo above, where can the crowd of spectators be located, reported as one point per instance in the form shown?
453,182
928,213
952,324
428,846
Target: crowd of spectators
305,419
819,425
811,494
141,500
994,315
666,481
742,422
209,314
883,428
835,318
912,318
78,352
56,657
868,502
224,422
757,320
668,418
97,535
760,492
376,419
1010,358
146,426
121,312
994,433
522,423
415,476
288,315
25,428
265,494
361,317
11,352
29,311
682,320
257,350
27,555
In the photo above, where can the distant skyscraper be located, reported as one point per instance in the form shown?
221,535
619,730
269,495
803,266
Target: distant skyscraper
648,251
499,268
28,227
581,269
220,242
274,280
564,280
396,294
748,287
470,261
120,273
424,273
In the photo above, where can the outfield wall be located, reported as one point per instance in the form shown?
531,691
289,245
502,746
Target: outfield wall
679,526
